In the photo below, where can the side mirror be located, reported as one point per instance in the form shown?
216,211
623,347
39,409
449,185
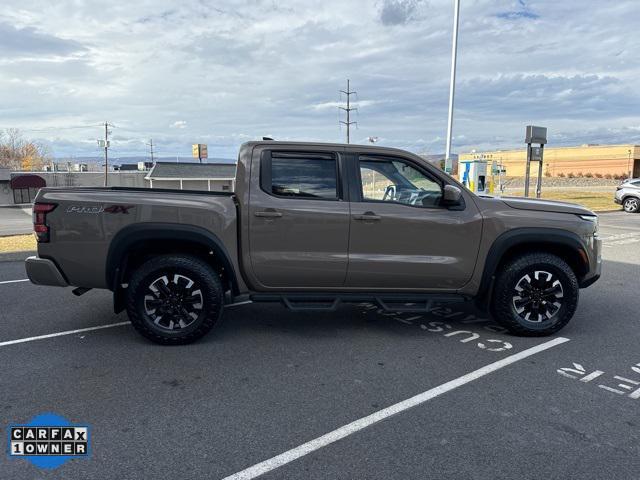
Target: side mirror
452,196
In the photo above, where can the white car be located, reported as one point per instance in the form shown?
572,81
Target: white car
628,195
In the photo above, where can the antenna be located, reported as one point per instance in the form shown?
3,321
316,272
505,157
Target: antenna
348,108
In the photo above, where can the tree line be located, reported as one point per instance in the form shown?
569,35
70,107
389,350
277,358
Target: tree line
19,153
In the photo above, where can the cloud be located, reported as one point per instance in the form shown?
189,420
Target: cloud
522,12
398,12
28,41
243,70
518,15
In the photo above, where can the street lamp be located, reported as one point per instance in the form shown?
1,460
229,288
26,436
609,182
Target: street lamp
452,85
629,163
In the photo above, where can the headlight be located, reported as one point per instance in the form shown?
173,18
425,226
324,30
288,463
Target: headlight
593,219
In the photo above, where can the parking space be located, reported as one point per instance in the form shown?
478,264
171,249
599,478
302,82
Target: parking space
267,381
15,220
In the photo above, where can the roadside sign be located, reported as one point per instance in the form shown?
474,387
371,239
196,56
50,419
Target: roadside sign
536,135
536,154
199,150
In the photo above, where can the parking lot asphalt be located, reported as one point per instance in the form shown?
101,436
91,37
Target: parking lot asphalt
15,220
268,381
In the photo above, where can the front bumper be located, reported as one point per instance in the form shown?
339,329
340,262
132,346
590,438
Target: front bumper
43,271
617,200
595,267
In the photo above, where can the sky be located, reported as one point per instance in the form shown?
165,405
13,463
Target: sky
225,72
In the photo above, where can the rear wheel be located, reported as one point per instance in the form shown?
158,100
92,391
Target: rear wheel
174,299
631,205
535,294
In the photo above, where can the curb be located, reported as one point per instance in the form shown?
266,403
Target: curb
4,235
16,256
608,211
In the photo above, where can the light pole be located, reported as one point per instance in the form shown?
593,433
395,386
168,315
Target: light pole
452,85
629,163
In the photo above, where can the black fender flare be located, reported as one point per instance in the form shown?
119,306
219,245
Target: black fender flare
518,236
157,231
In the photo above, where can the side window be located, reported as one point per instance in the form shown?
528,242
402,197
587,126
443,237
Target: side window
391,180
301,175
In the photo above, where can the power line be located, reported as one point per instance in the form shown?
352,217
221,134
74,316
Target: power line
348,109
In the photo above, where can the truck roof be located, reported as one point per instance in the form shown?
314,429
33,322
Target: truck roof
348,146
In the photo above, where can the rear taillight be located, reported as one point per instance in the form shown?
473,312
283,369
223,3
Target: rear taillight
40,227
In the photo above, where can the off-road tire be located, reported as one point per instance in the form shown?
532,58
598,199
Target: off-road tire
631,205
507,300
175,268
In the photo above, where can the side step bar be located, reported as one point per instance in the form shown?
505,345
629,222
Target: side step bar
329,302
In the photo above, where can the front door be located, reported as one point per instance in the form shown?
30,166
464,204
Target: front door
402,237
299,222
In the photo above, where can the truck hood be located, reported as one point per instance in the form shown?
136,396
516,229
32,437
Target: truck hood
545,205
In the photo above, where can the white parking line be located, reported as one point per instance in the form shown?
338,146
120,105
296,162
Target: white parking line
80,330
61,334
14,281
362,423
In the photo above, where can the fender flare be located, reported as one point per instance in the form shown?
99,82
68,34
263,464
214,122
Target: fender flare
518,236
152,231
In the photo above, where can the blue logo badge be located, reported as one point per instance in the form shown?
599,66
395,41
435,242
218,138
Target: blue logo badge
48,440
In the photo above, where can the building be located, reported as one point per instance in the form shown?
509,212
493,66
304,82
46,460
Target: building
21,187
6,196
614,160
437,160
215,177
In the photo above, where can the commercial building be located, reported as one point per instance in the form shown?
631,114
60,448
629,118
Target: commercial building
5,186
596,160
21,187
214,177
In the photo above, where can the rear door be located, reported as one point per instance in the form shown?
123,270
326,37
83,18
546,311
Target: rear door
299,220
401,235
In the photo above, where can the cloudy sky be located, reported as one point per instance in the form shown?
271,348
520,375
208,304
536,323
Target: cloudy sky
224,72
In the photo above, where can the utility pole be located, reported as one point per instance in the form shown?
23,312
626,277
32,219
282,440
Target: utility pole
150,144
106,155
105,144
448,164
348,109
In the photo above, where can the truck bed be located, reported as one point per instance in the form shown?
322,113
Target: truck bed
87,224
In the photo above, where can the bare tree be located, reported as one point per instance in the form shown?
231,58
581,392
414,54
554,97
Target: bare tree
17,153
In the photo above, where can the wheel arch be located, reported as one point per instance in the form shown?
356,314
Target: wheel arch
135,242
630,195
565,244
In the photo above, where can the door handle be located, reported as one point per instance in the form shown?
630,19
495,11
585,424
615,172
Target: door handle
268,214
367,216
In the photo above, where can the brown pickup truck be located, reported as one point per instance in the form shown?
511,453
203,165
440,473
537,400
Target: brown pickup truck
312,225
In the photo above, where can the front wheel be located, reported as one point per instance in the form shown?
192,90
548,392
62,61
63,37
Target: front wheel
174,299
631,205
535,294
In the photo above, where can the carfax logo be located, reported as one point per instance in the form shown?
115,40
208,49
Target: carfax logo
48,440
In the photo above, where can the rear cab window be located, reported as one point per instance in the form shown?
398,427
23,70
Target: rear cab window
300,175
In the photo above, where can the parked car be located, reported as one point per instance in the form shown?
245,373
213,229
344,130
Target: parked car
628,195
312,225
